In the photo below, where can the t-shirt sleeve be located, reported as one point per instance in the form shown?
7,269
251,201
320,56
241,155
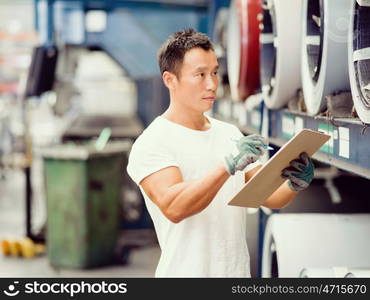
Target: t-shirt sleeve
147,158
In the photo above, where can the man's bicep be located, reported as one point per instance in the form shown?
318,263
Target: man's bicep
157,184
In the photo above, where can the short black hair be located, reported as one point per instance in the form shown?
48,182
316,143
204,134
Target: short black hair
172,52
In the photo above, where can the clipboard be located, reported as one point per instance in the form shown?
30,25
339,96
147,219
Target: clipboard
267,179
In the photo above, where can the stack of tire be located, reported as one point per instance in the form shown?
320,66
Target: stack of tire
359,57
321,47
324,51
243,58
280,51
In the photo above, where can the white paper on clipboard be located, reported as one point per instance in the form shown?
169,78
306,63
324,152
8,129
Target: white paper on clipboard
268,178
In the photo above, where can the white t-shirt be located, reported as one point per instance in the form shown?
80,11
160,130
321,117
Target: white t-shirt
211,243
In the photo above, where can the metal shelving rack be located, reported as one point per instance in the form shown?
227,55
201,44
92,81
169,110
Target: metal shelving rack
348,148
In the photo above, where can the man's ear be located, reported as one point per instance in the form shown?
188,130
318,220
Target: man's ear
169,80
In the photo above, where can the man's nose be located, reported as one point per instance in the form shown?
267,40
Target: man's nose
211,83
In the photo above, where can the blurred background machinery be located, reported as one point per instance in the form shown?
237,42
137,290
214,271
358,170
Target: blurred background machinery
81,73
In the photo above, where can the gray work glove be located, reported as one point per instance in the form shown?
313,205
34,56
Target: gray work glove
250,148
299,173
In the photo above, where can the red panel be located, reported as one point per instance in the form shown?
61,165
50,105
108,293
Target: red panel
249,78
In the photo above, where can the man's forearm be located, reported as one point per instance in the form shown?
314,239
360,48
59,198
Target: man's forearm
188,198
280,198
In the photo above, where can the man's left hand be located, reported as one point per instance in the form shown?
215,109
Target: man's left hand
299,173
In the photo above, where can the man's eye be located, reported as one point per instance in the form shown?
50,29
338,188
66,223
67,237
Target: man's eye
200,74
215,73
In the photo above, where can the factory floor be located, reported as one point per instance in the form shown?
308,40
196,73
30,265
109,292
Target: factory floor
142,261
142,264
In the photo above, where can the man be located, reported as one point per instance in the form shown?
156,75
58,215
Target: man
184,165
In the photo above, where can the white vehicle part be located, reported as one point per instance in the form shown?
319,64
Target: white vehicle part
280,46
293,242
233,50
324,49
358,273
335,272
359,59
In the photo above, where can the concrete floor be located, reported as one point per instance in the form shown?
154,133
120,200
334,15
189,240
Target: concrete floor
142,263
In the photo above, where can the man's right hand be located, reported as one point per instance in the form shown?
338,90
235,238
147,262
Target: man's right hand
250,148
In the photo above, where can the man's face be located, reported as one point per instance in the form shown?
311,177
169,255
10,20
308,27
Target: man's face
195,88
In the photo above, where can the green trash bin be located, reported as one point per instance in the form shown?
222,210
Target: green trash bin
82,195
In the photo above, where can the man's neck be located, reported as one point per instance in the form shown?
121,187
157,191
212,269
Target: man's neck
188,119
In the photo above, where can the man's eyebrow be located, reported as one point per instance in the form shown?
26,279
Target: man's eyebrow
203,68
